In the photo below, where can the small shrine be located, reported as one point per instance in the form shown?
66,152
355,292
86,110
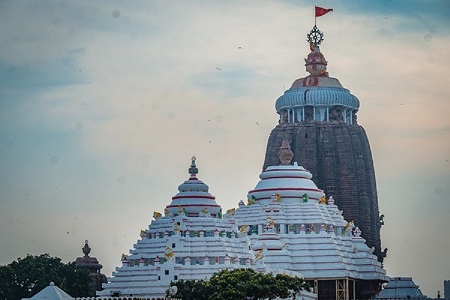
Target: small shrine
94,267
287,225
400,288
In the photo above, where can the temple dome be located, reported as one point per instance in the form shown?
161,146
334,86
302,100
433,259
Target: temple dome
285,182
401,288
193,197
291,182
317,97
299,95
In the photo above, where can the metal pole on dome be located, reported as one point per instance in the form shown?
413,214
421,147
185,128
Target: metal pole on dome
315,17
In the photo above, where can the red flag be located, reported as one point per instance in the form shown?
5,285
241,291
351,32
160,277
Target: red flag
320,11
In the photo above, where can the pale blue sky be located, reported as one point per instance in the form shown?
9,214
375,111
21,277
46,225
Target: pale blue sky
102,105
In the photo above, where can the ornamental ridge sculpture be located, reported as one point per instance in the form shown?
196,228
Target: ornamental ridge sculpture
315,36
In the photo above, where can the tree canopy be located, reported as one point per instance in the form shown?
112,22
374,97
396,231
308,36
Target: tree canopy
26,277
240,284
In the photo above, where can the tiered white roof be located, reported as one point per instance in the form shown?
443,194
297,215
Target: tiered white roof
287,226
194,197
191,241
51,292
297,229
401,288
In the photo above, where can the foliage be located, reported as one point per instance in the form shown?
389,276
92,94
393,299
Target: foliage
192,289
26,277
240,284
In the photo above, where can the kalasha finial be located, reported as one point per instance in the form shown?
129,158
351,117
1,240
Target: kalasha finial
193,169
285,154
86,249
315,63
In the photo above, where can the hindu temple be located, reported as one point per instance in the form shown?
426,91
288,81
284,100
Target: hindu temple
313,213
319,118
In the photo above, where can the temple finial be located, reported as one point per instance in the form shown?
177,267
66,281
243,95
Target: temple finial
193,169
315,63
86,249
285,154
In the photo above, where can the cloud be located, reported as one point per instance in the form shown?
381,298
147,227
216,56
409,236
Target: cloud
41,75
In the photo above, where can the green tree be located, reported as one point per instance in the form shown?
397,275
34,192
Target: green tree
240,284
26,277
290,286
192,289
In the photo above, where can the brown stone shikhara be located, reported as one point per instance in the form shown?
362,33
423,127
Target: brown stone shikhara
339,157
93,266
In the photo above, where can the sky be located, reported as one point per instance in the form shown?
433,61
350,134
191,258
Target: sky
103,104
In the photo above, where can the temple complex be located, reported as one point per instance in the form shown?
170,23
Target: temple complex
327,231
287,226
317,115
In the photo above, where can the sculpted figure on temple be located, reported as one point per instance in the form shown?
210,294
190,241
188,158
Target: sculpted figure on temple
243,230
259,255
167,213
285,117
230,212
204,213
336,114
181,211
348,228
309,114
169,255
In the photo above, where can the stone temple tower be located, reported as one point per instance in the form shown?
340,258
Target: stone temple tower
92,265
318,118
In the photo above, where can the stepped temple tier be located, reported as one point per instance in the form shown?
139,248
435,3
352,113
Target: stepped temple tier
402,288
289,219
287,226
191,240
318,117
